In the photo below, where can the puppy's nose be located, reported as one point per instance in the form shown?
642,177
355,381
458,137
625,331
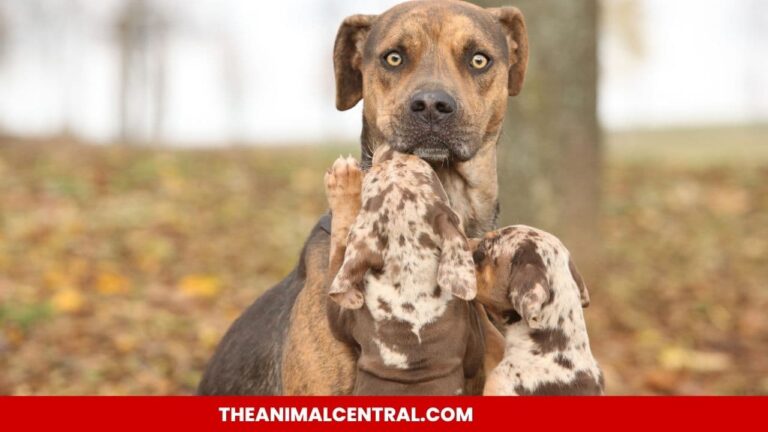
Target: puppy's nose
432,105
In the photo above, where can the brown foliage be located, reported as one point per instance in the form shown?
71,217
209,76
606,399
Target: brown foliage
121,268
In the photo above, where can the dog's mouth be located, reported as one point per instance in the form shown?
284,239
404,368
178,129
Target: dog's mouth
435,148
433,155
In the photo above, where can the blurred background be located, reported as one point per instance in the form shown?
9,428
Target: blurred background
161,163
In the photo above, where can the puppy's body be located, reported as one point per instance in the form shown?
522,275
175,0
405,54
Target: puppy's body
406,259
395,359
547,347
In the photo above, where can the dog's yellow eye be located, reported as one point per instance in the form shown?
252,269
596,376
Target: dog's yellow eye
394,59
479,61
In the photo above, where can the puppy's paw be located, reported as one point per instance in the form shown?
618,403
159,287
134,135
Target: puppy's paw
343,182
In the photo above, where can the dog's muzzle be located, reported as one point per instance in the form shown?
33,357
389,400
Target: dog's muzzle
428,128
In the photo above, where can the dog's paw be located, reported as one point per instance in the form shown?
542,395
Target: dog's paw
343,182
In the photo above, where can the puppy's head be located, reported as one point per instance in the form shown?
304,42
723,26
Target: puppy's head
511,276
512,284
455,271
512,273
434,75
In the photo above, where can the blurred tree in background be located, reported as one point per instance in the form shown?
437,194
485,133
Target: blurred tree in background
3,35
549,154
141,31
3,41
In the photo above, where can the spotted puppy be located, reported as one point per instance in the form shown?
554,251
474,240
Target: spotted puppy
527,277
401,294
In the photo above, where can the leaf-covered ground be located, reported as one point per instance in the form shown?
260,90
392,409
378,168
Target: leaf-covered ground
121,268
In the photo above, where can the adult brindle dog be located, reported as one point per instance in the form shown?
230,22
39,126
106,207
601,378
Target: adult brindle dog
434,77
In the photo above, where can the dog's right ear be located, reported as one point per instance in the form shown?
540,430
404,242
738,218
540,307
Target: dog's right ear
348,59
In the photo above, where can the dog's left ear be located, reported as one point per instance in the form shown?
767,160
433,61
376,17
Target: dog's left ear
583,293
511,20
348,59
456,270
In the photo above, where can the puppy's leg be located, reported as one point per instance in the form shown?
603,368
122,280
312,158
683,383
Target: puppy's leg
343,182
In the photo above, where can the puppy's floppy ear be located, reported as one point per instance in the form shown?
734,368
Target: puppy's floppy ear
348,58
528,292
456,269
583,293
513,23
347,287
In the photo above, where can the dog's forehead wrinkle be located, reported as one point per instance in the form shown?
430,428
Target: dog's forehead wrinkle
410,26
409,40
470,38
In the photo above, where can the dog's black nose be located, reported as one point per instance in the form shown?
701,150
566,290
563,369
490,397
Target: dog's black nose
432,105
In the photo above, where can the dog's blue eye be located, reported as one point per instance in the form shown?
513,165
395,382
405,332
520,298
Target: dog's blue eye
479,61
393,59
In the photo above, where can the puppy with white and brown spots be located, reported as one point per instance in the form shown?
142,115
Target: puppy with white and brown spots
401,295
527,277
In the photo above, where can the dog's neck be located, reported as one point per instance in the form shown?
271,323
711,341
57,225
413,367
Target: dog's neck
472,186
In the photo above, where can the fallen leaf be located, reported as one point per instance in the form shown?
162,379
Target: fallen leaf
208,336
200,286
662,381
67,300
125,342
678,358
110,283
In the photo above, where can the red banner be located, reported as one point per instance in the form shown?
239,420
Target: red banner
388,414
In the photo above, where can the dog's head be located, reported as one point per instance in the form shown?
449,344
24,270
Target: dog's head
515,267
434,75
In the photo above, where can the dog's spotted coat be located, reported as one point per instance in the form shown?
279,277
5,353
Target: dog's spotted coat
527,275
404,284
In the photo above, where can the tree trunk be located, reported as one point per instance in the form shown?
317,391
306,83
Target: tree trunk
141,33
549,153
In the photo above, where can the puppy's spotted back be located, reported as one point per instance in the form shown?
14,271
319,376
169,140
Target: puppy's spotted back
406,276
